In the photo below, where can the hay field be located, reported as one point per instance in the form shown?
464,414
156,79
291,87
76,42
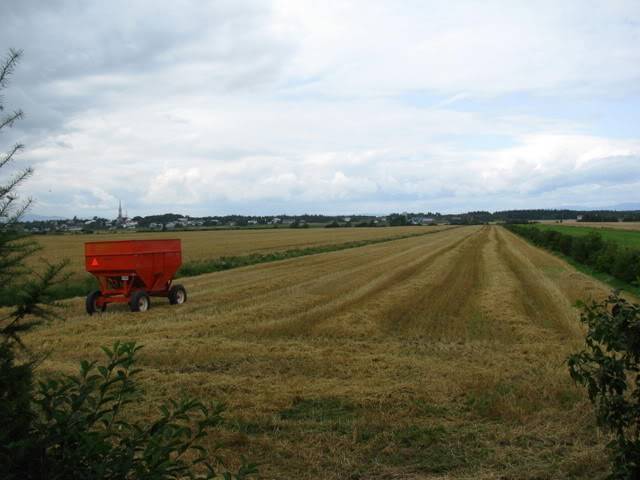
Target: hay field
210,244
633,226
438,356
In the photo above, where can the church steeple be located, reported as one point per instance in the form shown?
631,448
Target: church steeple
120,211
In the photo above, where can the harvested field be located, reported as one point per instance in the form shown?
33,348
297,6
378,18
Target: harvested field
633,226
438,356
210,244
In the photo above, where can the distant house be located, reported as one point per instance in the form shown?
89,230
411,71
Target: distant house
252,222
155,226
170,225
579,218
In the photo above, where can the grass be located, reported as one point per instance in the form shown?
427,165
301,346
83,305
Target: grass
436,356
200,267
82,285
603,277
324,409
632,226
435,449
627,238
210,244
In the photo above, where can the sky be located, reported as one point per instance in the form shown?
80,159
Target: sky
336,107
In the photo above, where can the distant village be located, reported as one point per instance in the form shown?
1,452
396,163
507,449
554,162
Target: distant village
172,221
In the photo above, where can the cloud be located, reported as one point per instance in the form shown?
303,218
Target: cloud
487,48
292,105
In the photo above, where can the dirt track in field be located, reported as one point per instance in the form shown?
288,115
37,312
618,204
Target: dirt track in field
462,333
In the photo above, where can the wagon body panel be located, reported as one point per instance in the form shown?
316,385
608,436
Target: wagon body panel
125,266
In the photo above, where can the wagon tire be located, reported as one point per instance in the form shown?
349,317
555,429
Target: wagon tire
177,295
91,305
140,301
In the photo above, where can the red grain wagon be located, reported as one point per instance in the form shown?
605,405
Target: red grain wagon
130,271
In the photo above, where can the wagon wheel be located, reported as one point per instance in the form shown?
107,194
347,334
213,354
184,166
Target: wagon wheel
177,295
91,303
139,301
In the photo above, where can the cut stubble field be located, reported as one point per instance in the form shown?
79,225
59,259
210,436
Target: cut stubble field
439,356
210,244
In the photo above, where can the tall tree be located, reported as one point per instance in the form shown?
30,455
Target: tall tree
24,290
20,286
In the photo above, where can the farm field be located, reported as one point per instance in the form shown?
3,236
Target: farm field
210,244
439,356
628,226
627,238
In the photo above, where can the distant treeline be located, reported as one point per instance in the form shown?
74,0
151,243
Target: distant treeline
610,217
178,221
592,250
405,218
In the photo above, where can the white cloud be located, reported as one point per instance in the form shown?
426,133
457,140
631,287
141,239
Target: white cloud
486,48
295,105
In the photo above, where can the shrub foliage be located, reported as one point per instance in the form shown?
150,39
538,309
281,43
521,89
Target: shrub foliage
620,262
78,429
609,368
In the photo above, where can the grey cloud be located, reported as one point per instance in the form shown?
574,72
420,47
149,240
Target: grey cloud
82,55
199,106
603,172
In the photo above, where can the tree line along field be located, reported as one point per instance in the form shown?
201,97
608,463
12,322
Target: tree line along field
211,244
438,356
625,237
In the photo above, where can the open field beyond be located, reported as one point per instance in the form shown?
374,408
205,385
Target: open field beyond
630,226
627,238
211,244
439,356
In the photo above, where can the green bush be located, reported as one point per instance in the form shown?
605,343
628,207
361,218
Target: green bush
580,249
79,429
565,244
609,368
607,257
15,400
